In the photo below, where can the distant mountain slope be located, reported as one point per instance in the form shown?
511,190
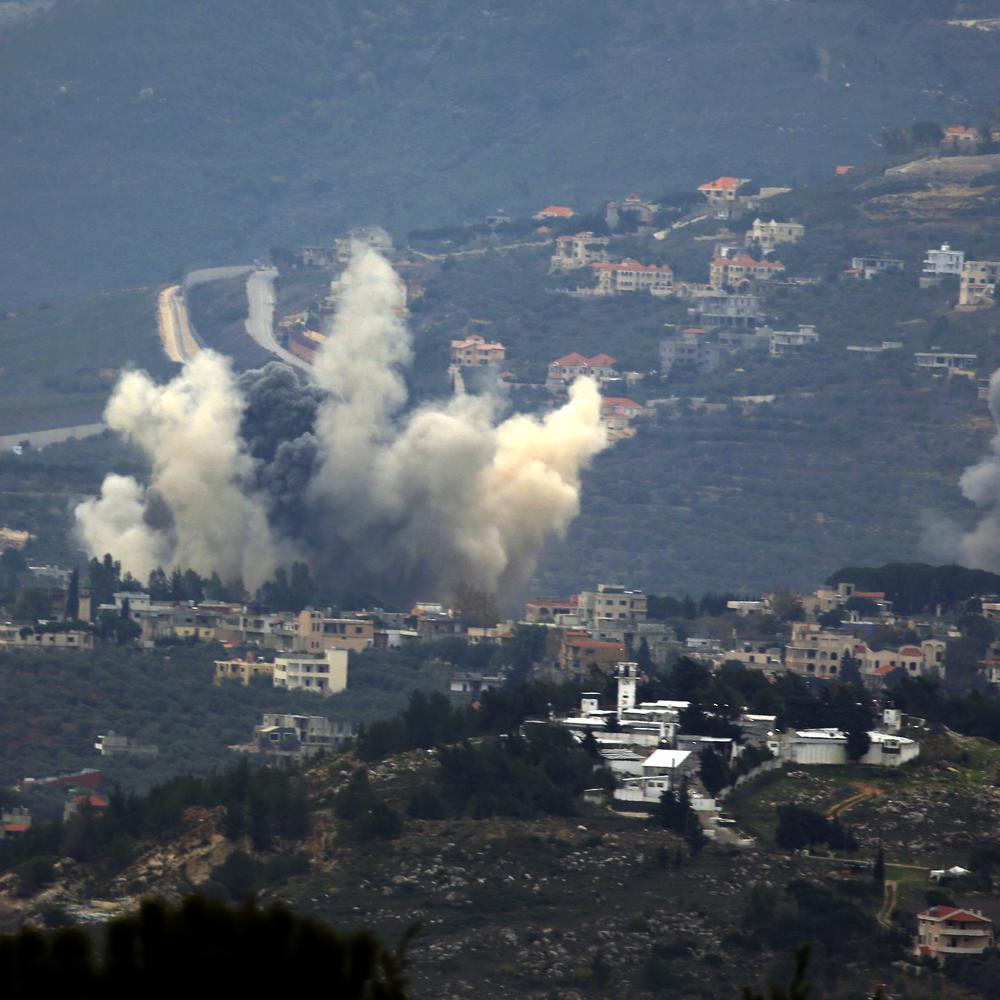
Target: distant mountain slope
141,136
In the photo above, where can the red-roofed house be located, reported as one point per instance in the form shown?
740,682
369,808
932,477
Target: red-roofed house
91,801
578,251
14,822
722,189
554,212
844,168
564,370
631,276
961,138
740,271
619,405
579,653
475,350
946,931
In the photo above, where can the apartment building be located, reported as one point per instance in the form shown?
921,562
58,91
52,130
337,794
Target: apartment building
943,261
784,342
576,251
740,271
716,308
475,351
318,632
946,361
978,282
692,349
768,235
629,276
242,671
325,675
611,602
867,268
814,652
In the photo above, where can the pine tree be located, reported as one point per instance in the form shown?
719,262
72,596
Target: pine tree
73,596
878,869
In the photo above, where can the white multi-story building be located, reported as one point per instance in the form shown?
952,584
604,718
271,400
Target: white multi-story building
784,342
946,361
324,675
767,235
944,261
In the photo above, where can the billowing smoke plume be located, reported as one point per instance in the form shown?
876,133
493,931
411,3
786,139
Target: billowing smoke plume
254,472
980,548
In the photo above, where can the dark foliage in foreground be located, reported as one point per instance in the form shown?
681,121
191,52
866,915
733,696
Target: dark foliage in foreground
200,949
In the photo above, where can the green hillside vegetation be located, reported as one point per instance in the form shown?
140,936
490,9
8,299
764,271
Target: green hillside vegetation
54,353
54,703
140,138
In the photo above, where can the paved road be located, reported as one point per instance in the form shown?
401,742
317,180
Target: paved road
178,340
260,317
39,439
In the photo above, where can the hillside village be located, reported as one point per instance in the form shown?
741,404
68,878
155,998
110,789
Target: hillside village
753,723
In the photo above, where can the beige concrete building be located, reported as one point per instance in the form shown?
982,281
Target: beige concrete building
629,276
978,283
768,235
578,251
579,653
611,603
814,652
475,351
10,635
947,932
318,632
784,342
242,670
740,271
722,189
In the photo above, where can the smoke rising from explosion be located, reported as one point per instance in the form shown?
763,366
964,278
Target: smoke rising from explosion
980,548
253,472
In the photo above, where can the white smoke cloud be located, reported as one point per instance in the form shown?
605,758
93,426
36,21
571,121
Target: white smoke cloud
189,431
395,501
980,483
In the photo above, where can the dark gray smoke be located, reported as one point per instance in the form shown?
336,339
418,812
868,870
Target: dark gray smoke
253,473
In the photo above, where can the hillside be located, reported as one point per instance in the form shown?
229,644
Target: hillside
140,138
563,906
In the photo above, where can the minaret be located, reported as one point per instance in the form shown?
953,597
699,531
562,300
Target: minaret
628,677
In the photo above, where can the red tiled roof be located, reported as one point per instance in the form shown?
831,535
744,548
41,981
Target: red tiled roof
632,265
557,211
94,801
576,359
16,827
721,184
745,260
621,401
582,640
954,913
911,651
875,595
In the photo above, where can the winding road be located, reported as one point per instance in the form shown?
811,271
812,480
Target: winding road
260,317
